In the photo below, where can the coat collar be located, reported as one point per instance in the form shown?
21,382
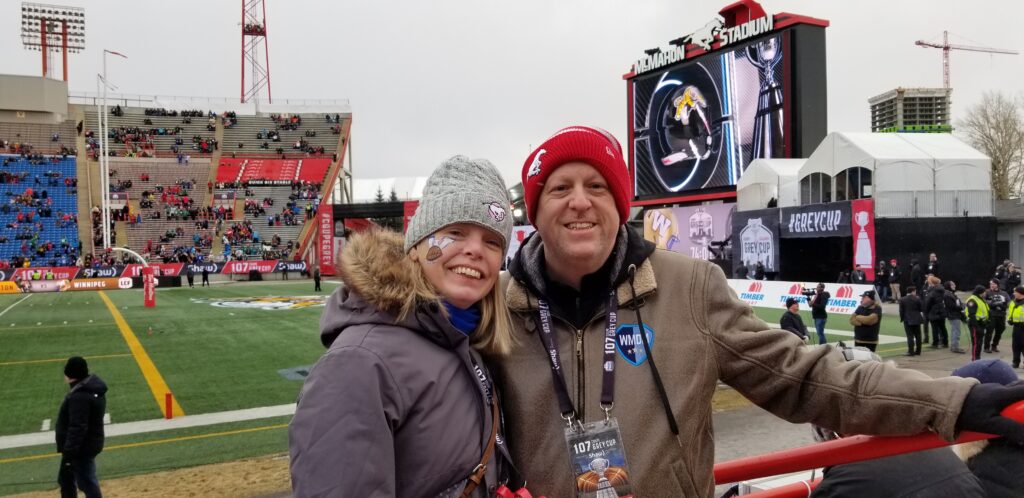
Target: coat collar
520,299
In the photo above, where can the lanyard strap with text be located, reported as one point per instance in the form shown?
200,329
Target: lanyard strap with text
547,337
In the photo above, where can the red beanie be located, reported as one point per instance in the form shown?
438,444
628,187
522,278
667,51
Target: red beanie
593,146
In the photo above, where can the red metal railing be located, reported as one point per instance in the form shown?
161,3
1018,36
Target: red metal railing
839,451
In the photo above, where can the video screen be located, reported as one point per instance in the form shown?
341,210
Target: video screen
699,123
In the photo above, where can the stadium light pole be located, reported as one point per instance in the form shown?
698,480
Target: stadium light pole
105,150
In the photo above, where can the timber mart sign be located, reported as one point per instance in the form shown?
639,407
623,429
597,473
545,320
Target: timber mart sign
715,31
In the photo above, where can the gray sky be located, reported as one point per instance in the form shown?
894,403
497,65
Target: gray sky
487,78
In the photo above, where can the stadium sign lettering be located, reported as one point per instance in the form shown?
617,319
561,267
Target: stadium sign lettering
660,59
746,30
815,221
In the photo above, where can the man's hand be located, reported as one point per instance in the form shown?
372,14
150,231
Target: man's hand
981,411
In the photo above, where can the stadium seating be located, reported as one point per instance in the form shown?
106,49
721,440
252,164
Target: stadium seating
162,172
247,128
281,197
136,117
40,136
57,178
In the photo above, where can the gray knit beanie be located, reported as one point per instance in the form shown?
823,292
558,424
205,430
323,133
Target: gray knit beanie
462,190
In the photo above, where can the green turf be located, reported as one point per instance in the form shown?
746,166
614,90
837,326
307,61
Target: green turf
213,359
40,474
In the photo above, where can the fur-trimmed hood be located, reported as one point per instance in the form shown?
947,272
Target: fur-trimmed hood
378,278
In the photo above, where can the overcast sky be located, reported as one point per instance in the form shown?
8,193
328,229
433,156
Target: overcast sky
487,78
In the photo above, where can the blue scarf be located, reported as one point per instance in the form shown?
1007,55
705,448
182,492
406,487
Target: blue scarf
465,320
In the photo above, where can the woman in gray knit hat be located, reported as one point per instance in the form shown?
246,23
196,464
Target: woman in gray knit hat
401,403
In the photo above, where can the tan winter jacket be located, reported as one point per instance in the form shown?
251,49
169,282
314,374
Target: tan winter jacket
702,334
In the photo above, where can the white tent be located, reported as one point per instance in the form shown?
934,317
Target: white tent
765,179
911,174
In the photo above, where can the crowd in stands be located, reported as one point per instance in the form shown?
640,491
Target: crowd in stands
229,119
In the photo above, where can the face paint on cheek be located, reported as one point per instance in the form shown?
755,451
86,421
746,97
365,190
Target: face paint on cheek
436,246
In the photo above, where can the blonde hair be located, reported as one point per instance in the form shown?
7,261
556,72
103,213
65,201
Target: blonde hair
933,280
493,335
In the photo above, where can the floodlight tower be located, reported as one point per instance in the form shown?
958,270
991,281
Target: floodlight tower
52,28
254,39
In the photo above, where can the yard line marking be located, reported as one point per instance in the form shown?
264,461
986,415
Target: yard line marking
46,426
15,304
156,381
58,360
106,418
150,443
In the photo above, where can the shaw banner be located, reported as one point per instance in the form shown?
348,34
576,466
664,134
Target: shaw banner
864,236
325,237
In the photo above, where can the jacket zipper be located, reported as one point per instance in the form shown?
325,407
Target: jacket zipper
580,377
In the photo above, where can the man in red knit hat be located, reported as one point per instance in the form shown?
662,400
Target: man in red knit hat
592,302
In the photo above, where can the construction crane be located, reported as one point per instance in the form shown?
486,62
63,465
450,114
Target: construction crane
946,47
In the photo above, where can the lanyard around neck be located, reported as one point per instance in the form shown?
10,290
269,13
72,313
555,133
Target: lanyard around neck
547,337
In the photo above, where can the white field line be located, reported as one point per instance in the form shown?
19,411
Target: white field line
15,304
46,426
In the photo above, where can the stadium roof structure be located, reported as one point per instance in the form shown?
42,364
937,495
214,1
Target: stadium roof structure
765,179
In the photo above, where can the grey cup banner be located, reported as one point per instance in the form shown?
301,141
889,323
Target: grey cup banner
755,239
816,220
696,231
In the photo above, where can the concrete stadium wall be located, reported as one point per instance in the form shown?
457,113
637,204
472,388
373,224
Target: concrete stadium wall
32,99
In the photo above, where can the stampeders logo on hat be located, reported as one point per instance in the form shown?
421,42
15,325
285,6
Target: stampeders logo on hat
496,210
535,165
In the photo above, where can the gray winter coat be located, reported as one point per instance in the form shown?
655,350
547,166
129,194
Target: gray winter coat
393,408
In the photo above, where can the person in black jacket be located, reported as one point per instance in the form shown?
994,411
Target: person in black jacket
792,321
912,317
935,311
955,314
819,313
998,302
997,463
895,276
866,321
79,430
882,281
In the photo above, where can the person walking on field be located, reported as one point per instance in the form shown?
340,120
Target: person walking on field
911,315
316,278
792,321
79,430
206,277
190,275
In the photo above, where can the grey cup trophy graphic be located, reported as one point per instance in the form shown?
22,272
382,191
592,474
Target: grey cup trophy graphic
768,126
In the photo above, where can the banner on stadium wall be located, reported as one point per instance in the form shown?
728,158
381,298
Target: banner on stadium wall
44,273
94,284
408,210
8,287
773,294
864,236
755,239
244,267
166,269
815,221
266,183
696,231
299,266
519,234
325,237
